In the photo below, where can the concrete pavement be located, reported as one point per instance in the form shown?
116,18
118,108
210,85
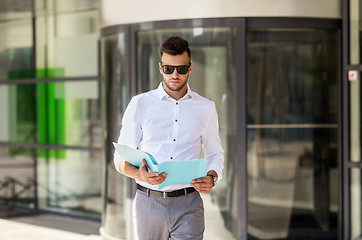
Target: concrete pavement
11,230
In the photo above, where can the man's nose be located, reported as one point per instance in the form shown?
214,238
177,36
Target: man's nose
175,73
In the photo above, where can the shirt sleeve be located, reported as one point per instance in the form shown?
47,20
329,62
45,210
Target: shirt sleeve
131,132
211,143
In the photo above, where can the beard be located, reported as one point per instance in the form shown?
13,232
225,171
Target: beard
177,88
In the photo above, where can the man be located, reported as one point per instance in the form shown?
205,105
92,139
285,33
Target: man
171,123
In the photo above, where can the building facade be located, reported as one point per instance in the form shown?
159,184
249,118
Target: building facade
284,76
51,130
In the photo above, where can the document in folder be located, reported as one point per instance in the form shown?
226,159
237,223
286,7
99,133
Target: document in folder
178,172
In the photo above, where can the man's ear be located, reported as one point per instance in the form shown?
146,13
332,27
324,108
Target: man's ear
190,69
160,67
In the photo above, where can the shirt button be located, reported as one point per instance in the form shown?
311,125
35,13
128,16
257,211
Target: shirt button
174,140
175,120
177,103
171,158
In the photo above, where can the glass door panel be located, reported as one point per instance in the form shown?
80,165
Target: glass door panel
355,156
16,49
355,118
292,132
355,20
356,203
65,185
17,180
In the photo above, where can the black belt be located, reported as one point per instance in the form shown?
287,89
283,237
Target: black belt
175,193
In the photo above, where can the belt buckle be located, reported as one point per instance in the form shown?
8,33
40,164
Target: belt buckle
164,195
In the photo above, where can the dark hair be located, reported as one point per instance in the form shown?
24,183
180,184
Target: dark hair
175,46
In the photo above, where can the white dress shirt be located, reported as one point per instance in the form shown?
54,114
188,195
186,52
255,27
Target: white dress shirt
172,130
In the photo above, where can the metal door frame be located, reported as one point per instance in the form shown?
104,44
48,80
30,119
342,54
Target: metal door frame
345,132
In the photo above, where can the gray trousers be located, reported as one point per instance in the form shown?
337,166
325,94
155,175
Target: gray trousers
178,218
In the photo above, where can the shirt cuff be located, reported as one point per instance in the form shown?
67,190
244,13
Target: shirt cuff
215,162
117,159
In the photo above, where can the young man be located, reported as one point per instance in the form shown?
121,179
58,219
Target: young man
171,123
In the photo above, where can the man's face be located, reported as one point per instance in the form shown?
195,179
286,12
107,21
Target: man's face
175,81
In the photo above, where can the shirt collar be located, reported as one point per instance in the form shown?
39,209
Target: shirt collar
163,94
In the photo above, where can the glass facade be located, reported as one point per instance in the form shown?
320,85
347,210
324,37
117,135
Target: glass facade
292,101
51,130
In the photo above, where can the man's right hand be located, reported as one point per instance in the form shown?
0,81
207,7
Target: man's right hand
152,178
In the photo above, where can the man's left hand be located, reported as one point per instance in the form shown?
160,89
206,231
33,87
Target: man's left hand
203,185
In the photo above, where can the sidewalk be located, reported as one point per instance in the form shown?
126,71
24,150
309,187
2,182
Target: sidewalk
11,230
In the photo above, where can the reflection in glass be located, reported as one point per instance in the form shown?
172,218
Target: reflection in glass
69,182
213,76
355,41
76,112
355,93
71,46
75,6
16,10
75,49
17,179
18,105
16,49
61,113
292,99
356,203
117,195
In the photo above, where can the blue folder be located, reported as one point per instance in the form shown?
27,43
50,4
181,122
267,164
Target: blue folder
178,172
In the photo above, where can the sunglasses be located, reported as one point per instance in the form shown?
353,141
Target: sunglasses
169,69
